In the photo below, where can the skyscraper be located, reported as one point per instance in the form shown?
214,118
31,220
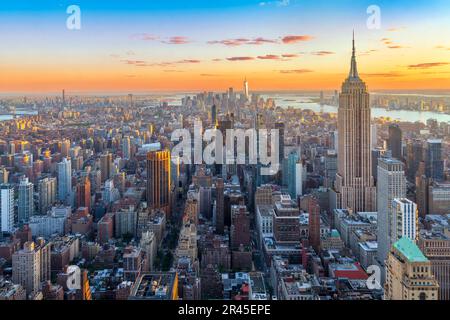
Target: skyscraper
405,220
84,193
246,92
64,180
46,194
294,173
391,185
158,180
220,206
6,207
395,141
26,203
354,182
105,165
126,147
314,223
414,155
434,162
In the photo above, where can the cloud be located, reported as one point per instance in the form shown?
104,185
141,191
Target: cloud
427,65
289,55
142,63
391,74
442,48
391,45
269,57
397,47
296,38
396,29
322,53
144,36
240,58
177,40
279,3
243,41
217,59
173,71
188,61
296,71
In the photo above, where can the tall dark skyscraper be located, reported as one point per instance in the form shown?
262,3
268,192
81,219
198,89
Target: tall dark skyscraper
354,186
434,162
395,141
220,206
214,115
280,126
158,180
414,155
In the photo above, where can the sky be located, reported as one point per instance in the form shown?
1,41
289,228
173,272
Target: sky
174,45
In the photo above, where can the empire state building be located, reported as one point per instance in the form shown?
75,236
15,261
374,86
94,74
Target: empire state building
354,184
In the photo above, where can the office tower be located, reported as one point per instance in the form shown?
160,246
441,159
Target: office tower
395,141
126,147
106,160
158,180
281,128
314,223
26,267
220,206
65,148
214,115
408,274
294,173
330,168
414,155
46,194
64,180
205,203
354,182
434,162
246,92
422,186
84,193
391,184
4,175
405,220
374,136
7,207
26,202
240,227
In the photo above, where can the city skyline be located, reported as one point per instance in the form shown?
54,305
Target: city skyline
277,45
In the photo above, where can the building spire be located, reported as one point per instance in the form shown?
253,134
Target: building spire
353,67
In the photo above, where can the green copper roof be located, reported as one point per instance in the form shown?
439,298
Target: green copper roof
410,250
335,234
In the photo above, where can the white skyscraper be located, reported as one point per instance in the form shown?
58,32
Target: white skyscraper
64,180
26,203
404,220
246,92
7,207
391,185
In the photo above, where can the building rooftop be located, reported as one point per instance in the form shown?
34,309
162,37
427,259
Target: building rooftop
410,250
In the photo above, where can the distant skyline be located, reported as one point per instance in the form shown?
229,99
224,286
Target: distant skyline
151,46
